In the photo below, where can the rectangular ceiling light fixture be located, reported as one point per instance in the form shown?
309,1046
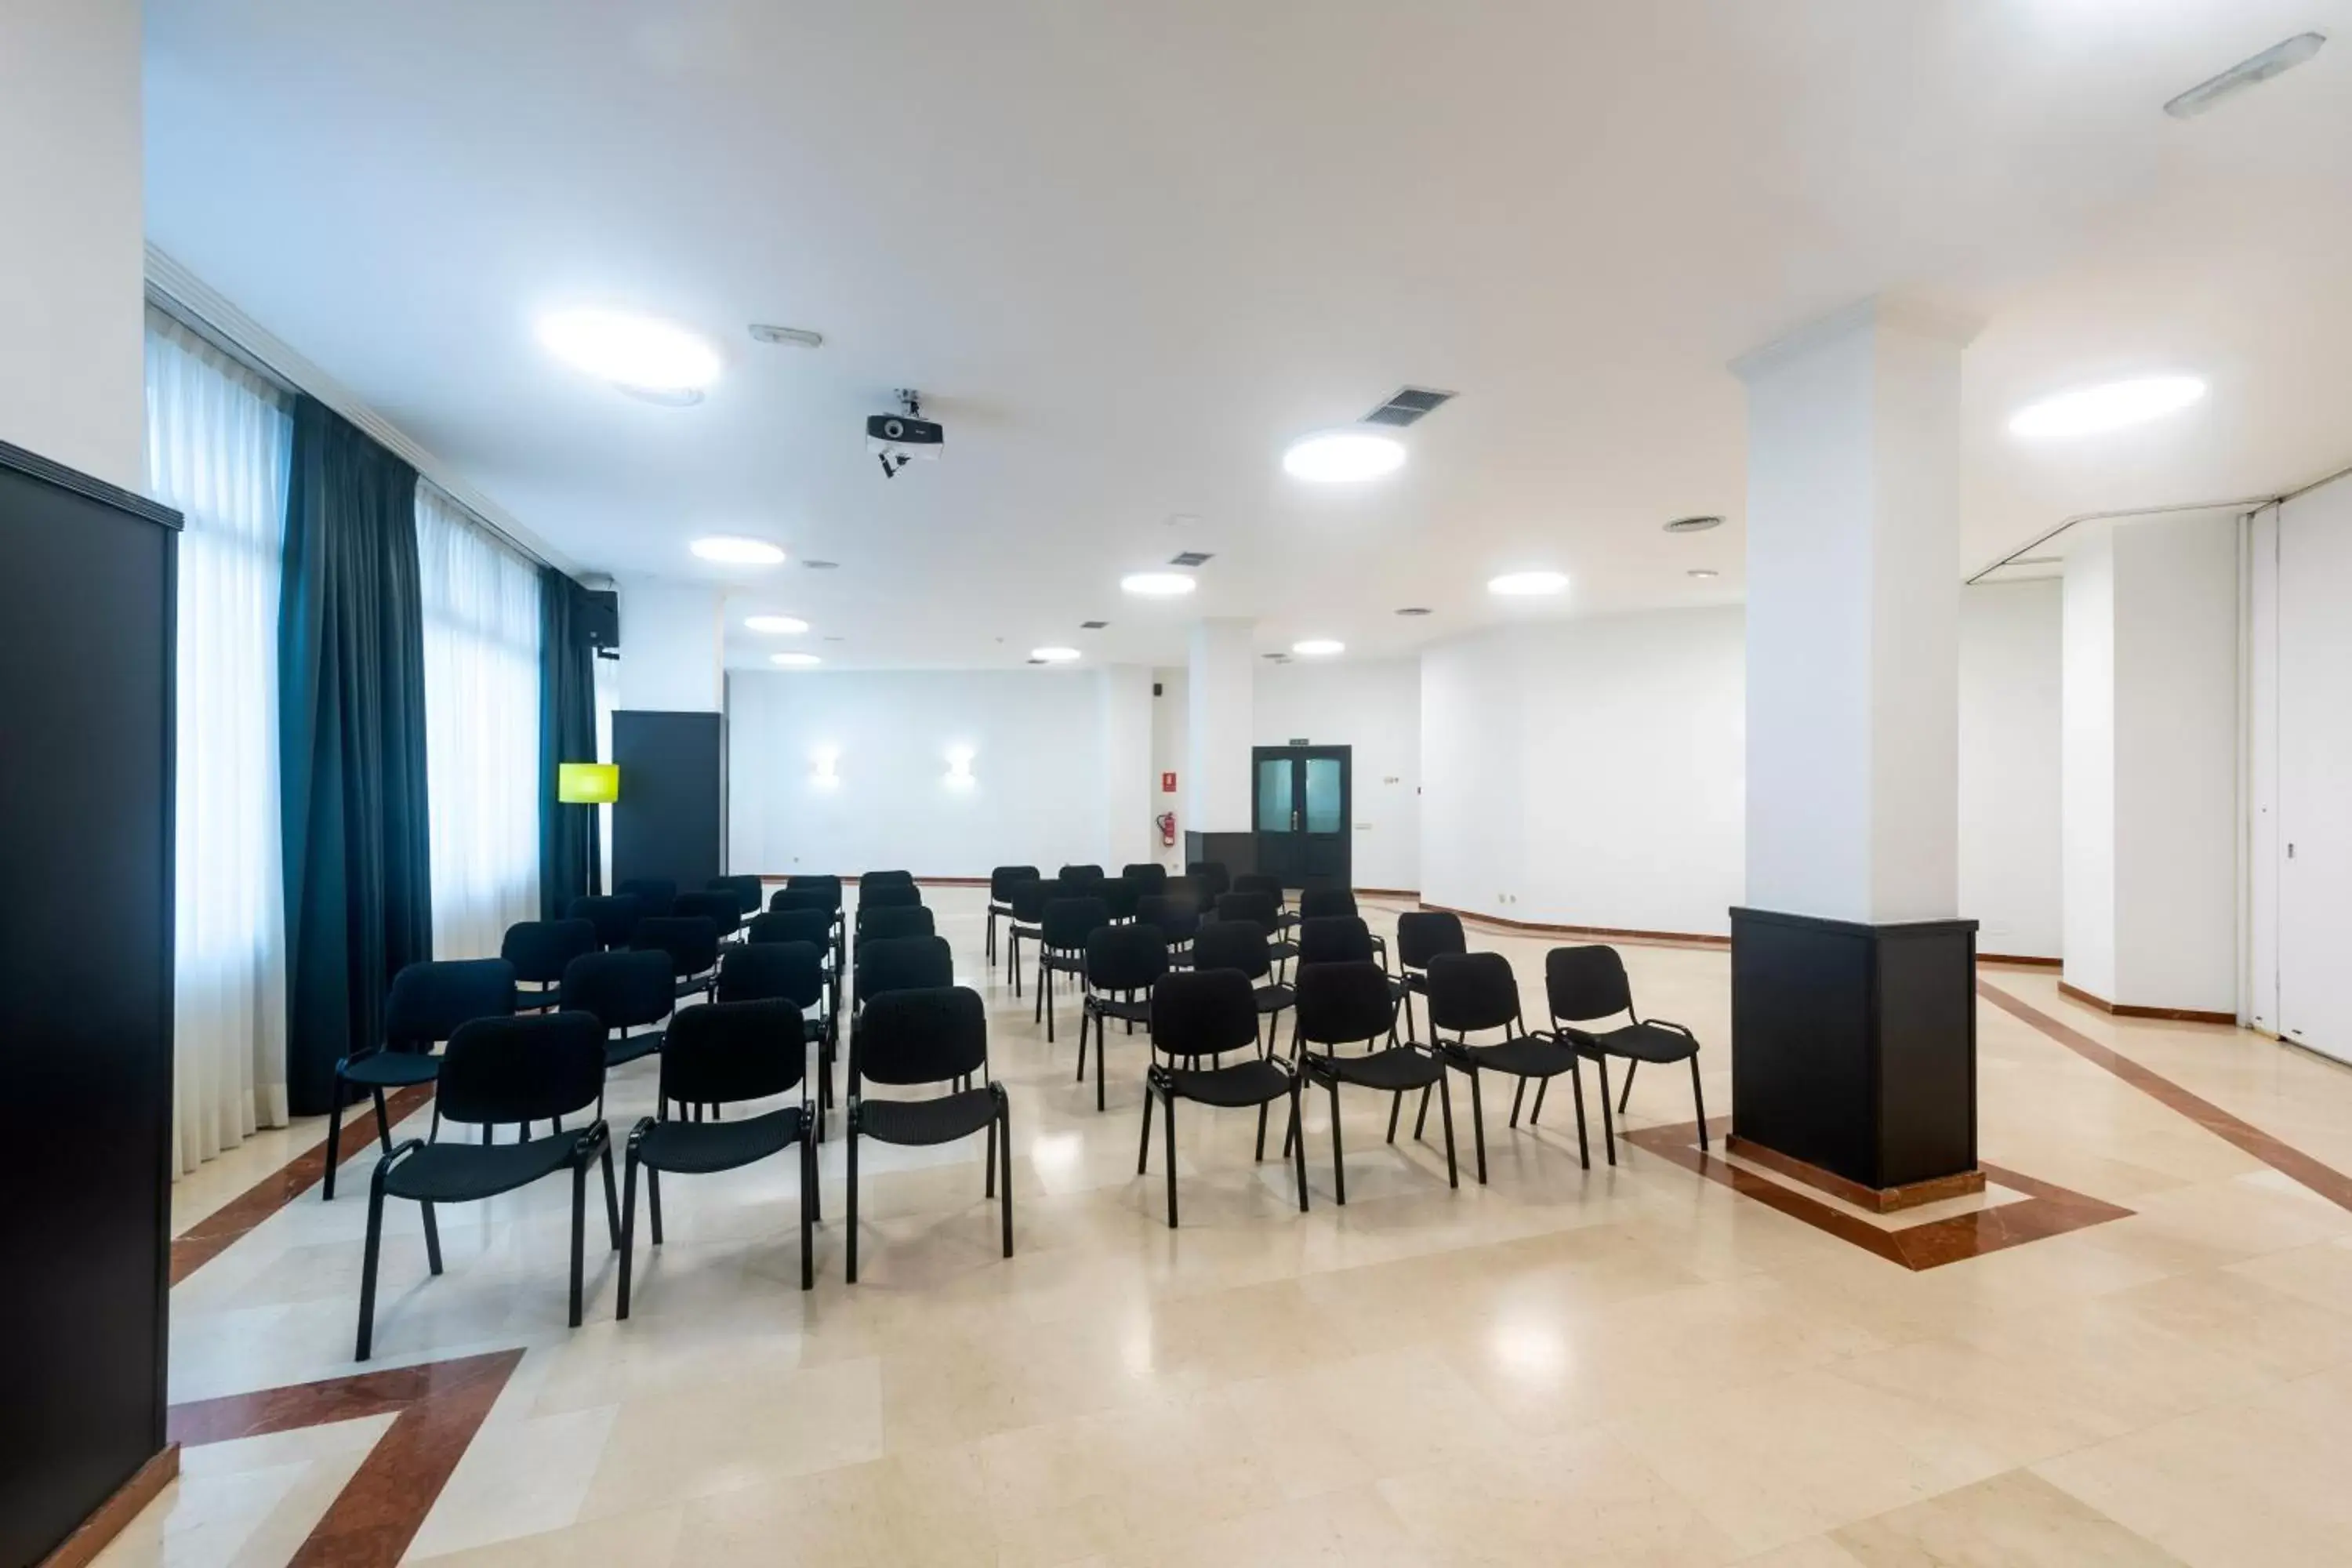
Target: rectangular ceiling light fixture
2250,72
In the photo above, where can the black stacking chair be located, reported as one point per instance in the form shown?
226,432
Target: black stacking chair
1212,877
784,971
812,926
1473,992
1340,1004
751,894
655,895
622,991
538,949
903,964
1062,947
1242,944
1001,883
1189,889
428,1003
1029,901
893,920
872,878
818,891
725,1054
1259,909
1202,1015
937,1034
1342,939
887,896
1119,895
1271,886
1122,964
804,898
1079,874
723,909
520,1070
692,943
1148,876
614,916
1177,920
1582,984
1422,935
1338,903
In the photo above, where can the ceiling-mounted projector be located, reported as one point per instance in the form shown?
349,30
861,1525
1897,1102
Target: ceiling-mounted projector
900,438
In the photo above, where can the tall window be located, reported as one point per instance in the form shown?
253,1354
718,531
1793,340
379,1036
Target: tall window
218,443
481,728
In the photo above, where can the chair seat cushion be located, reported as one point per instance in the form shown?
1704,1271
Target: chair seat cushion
1522,1055
942,1120
460,1173
389,1069
619,1050
1274,998
1398,1067
1281,951
695,984
1128,1009
1066,963
1245,1083
1642,1042
694,1147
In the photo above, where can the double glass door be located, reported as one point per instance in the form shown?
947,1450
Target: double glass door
1300,800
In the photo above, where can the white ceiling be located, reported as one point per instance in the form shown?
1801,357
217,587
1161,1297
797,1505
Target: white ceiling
1127,250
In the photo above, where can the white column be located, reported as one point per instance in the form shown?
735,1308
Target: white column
672,648
2150,705
72,243
1220,685
1123,697
1852,618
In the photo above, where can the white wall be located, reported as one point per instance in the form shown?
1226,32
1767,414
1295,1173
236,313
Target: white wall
1123,713
1221,688
73,246
672,648
1037,794
1170,753
1373,708
2010,773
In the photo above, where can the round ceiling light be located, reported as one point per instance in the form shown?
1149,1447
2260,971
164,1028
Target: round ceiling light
636,353
734,550
1527,584
1158,585
795,660
2111,405
1053,655
1343,457
1318,648
1702,573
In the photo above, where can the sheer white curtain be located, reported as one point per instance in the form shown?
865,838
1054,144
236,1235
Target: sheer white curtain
218,443
481,728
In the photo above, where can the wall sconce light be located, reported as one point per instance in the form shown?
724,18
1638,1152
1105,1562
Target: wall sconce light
960,768
828,759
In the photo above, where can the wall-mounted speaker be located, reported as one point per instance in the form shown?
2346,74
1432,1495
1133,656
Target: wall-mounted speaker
604,616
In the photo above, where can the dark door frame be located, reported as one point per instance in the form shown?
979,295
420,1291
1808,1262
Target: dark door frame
1286,854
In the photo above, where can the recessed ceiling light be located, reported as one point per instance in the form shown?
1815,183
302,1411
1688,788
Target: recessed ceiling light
791,337
821,565
1343,457
1053,655
1416,610
776,625
1158,585
2111,405
734,550
638,352
1693,524
795,660
1526,584
2246,73
1318,647
1702,573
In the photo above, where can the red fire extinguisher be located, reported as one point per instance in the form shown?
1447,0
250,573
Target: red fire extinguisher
1168,829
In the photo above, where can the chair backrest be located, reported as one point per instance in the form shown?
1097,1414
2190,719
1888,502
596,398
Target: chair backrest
792,901
1079,874
539,948
876,878
614,916
930,1034
903,964
655,895
791,925
1585,983
772,971
1149,875
1265,882
1030,898
887,896
1200,1013
430,999
692,942
1125,958
1426,933
1342,1003
1257,908
1232,944
750,893
1174,917
890,922
824,883
1323,903
1119,895
722,1052
1002,880
1189,889
623,989
1472,991
1334,938
1212,875
529,1068
1069,921
722,909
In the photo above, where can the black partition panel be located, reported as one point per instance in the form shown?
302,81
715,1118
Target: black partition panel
87,587
669,821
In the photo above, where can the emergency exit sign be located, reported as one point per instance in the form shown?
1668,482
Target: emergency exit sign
1166,784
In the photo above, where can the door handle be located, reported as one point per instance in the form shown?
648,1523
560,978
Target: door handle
1294,822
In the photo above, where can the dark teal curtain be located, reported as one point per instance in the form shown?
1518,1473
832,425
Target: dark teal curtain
350,661
568,862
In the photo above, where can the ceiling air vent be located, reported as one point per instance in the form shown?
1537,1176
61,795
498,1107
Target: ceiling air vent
1407,404
1190,558
1092,626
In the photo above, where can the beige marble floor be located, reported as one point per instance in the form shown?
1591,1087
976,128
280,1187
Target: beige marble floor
1627,1366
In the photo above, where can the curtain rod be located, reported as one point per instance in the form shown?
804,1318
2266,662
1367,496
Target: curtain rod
188,299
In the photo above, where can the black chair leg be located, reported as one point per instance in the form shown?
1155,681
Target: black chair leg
383,1123
612,1203
1086,1017
1004,1152
1099,1102
334,1148
1518,1097
1143,1148
1420,1117
1698,1103
988,1183
1608,1121
1624,1099
1260,1155
432,1239
1542,1088
628,1233
1168,1109
850,1135
1479,1126
367,1269
579,1234
1338,1156
1576,1084
1396,1109
1446,1115
1298,1141
808,1215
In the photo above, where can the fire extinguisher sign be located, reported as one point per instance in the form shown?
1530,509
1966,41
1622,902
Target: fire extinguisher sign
1166,784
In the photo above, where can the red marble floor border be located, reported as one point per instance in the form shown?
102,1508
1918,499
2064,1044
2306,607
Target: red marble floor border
2324,1179
2046,1210
211,1235
436,1408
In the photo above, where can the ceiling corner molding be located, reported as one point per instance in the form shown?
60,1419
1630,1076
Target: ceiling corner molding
185,295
